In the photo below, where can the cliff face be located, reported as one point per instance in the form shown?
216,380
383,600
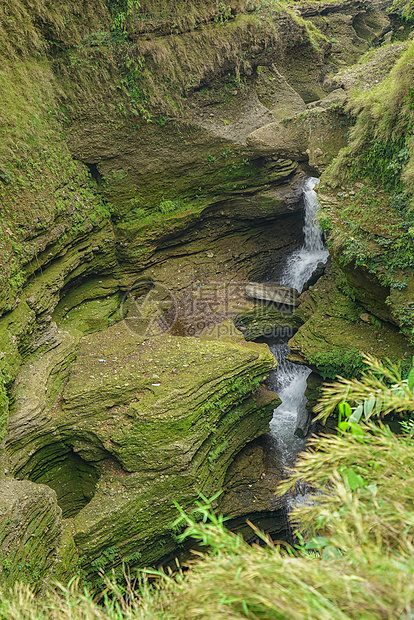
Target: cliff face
141,145
131,425
125,148
366,201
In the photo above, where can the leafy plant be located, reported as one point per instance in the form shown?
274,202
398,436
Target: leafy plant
223,12
405,8
168,206
381,390
383,160
122,11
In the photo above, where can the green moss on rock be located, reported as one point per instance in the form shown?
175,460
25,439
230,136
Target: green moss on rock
30,529
268,320
337,330
148,420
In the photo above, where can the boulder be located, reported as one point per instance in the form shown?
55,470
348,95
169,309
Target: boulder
318,273
287,140
280,295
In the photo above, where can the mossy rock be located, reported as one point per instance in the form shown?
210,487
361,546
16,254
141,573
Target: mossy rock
368,237
267,320
31,535
134,418
336,331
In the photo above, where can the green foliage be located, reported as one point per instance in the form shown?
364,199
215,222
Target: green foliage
109,566
348,362
224,12
348,418
168,206
354,249
405,8
381,147
374,232
204,512
383,161
381,390
133,79
122,11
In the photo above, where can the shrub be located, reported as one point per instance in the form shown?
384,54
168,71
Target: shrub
346,362
168,206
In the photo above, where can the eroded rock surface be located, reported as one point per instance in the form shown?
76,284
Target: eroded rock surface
31,542
137,424
280,295
336,331
112,180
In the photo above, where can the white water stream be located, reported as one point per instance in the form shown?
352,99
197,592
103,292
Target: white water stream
302,262
290,379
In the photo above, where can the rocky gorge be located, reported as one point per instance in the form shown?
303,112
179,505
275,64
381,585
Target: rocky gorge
152,160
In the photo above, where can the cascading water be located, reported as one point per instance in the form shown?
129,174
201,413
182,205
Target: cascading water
290,379
290,385
302,263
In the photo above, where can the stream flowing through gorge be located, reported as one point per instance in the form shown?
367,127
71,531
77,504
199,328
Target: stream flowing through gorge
289,380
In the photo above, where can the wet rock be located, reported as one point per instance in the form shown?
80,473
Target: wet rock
280,295
319,271
267,320
251,481
303,424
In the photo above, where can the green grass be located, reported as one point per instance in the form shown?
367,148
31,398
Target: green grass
370,225
405,8
381,148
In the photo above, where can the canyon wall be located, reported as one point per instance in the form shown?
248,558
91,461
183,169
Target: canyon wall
151,159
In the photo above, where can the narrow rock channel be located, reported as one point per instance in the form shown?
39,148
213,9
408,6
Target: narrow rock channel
290,420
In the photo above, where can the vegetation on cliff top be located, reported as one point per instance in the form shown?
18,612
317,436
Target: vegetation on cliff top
370,224
381,146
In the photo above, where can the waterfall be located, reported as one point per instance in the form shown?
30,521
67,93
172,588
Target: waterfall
289,380
302,262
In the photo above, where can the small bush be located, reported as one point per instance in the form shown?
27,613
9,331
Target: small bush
168,206
345,362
